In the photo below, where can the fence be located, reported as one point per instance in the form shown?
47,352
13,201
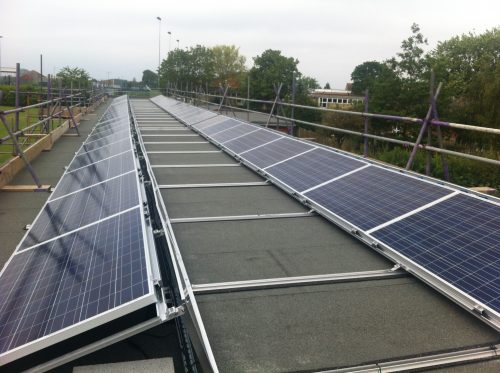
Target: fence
34,127
224,101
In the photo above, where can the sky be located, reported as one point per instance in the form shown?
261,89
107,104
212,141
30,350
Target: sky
119,39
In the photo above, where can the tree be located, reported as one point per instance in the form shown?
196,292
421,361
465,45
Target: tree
228,64
470,66
149,78
411,62
365,76
272,67
327,86
74,76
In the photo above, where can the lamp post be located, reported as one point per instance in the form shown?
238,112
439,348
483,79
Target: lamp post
169,41
177,43
1,58
159,44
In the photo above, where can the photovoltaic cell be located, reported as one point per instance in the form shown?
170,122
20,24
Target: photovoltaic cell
220,127
210,122
373,196
108,137
99,134
71,279
313,168
237,130
85,158
250,141
79,209
94,173
458,240
276,151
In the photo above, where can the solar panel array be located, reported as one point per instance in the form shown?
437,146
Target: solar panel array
449,234
84,256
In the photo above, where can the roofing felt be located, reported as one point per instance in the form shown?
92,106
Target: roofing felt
296,327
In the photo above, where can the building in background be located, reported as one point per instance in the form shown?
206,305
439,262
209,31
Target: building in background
332,97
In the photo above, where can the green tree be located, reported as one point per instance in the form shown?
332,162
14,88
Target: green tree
194,66
327,86
76,76
149,78
272,67
470,67
228,64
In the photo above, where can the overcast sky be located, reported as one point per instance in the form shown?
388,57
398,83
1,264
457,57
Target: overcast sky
328,37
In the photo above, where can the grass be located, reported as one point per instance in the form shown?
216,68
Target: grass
23,122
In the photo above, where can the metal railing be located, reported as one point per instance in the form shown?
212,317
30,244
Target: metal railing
51,110
225,101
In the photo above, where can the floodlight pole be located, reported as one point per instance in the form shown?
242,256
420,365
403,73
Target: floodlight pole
169,41
159,50
1,59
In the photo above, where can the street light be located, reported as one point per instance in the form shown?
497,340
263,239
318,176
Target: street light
1,58
169,41
177,43
159,44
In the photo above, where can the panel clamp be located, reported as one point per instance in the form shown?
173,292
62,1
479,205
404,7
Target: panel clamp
159,232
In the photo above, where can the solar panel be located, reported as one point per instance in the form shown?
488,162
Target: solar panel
68,281
313,168
237,130
210,122
83,159
94,173
108,149
98,141
102,142
76,210
275,151
250,141
83,261
457,239
454,237
373,196
220,127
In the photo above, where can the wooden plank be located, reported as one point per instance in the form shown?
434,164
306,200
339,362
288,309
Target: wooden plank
483,189
25,188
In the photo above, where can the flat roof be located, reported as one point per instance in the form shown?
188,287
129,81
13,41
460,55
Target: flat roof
293,328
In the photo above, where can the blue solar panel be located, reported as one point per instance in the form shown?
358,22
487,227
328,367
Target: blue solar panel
210,122
95,143
458,240
104,132
237,130
373,196
94,173
250,141
229,123
313,168
71,279
276,151
79,209
85,158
